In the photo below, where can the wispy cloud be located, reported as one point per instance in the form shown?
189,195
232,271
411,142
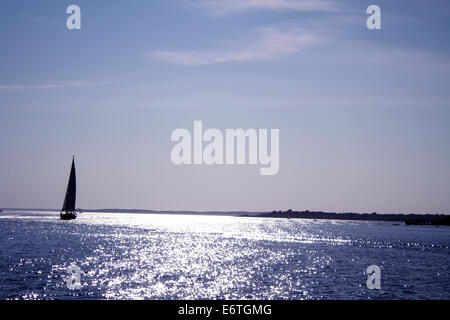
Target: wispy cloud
61,84
226,6
273,44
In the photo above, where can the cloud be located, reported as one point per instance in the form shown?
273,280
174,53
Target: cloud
225,6
273,44
61,84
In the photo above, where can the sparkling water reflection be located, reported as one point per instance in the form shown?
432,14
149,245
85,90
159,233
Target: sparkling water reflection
160,256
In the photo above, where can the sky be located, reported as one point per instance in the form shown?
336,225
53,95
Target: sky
364,115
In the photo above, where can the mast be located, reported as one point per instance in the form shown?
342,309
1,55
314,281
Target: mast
69,200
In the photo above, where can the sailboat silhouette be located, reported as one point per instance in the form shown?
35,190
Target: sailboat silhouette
68,209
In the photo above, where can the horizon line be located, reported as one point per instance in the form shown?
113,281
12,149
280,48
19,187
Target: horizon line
134,210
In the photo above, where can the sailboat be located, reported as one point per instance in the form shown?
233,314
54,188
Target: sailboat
68,209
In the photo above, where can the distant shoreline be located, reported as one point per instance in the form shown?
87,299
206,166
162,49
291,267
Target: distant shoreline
409,219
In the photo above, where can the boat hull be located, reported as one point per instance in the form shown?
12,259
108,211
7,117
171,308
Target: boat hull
68,216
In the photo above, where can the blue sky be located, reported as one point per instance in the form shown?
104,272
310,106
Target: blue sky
363,115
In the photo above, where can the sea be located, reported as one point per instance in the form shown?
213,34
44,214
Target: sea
185,256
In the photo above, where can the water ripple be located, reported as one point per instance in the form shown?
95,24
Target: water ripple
139,256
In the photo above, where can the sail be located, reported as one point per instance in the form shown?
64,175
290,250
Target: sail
69,200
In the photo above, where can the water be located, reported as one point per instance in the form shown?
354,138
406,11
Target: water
157,256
